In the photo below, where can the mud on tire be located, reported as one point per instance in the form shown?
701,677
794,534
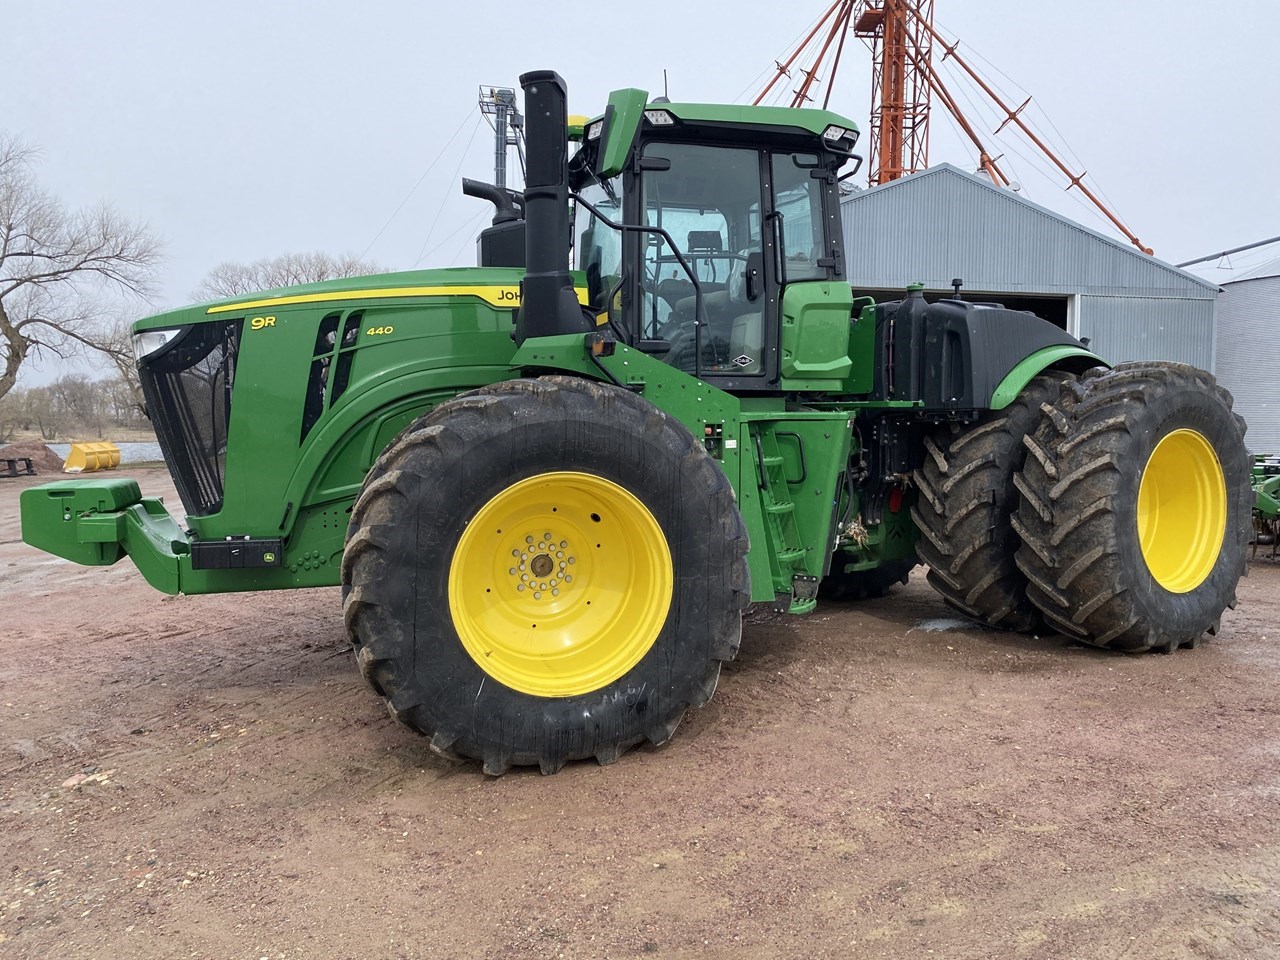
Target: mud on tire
966,498
415,507
1104,568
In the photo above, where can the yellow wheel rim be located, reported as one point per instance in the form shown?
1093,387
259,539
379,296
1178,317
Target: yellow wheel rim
1182,511
560,584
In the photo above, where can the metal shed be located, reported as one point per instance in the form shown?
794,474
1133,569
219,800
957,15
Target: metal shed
1249,352
943,223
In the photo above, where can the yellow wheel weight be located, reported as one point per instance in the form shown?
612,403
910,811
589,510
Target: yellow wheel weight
560,584
1182,511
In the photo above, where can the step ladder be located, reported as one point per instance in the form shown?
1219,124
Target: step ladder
795,591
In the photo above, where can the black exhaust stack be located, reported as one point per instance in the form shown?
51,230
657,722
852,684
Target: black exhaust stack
548,304
501,244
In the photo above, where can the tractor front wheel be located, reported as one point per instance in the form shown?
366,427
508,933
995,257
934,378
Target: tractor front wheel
544,570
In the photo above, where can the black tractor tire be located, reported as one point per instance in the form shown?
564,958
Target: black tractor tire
843,586
1104,496
965,500
415,584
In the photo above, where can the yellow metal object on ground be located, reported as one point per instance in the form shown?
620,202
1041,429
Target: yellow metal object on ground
560,584
1182,511
87,457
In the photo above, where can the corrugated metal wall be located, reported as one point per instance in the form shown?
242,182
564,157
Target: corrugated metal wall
1249,356
946,223
1148,328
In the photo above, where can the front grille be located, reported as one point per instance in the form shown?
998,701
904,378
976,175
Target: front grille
187,385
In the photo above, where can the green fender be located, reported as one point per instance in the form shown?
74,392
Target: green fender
1073,359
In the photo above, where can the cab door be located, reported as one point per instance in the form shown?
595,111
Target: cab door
816,305
750,224
709,201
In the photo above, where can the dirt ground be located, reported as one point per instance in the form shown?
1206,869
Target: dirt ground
874,780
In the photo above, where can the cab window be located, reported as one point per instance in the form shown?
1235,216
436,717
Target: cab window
797,200
707,199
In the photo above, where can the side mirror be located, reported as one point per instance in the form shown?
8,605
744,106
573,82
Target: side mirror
856,167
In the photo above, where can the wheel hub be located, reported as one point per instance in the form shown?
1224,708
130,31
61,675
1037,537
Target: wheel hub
1182,511
541,564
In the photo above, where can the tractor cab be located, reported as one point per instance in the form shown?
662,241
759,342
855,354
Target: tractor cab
705,231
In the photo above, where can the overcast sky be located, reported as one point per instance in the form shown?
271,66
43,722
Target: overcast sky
242,130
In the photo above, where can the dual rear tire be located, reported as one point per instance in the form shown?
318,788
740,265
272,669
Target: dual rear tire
965,497
1135,508
1113,508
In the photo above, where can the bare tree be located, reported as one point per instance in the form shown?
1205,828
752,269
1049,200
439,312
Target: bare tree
41,410
80,401
24,407
114,338
287,270
13,414
120,404
51,261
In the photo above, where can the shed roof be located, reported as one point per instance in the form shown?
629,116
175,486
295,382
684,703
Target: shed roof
1261,272
945,221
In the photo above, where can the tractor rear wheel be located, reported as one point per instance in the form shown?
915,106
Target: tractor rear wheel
1135,509
544,570
966,498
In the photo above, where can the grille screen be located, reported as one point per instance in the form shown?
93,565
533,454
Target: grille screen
187,386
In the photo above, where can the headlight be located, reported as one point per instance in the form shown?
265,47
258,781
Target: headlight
659,118
840,138
595,129
149,341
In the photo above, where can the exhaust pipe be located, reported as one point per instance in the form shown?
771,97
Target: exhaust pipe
548,304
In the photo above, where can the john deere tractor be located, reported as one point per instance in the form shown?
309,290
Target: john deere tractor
550,485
